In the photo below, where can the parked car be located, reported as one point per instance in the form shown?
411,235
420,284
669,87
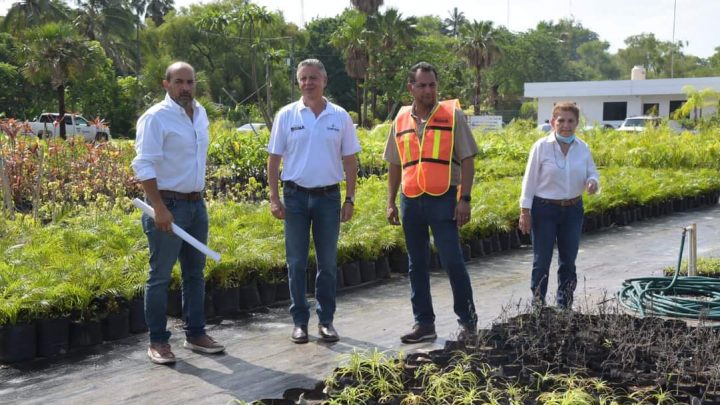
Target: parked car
46,125
251,127
642,122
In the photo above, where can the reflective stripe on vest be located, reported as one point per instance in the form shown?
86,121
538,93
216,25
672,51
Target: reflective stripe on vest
427,172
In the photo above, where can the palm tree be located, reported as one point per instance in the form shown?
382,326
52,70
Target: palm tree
368,7
392,36
696,101
477,44
454,22
30,13
55,53
351,38
112,23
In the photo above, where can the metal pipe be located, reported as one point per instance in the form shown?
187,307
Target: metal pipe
692,254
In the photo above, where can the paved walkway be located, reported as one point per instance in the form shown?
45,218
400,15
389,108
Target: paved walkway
261,362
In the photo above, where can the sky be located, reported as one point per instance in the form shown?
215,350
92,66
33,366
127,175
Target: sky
697,22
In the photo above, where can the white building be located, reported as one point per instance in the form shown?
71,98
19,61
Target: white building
611,101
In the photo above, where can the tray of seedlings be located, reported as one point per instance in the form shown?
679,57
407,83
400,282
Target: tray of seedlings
542,356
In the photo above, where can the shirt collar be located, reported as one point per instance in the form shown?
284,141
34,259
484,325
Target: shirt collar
304,107
414,115
177,107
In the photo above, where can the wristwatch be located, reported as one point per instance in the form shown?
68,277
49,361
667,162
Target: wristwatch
350,200
466,197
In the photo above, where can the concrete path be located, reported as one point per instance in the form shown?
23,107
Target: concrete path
261,362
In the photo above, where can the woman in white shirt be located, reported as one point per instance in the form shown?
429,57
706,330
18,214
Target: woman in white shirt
559,168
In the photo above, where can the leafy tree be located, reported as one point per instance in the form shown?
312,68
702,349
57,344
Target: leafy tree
646,50
454,22
56,53
368,7
352,39
480,49
31,13
110,22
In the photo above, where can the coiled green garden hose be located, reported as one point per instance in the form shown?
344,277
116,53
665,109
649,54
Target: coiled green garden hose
684,297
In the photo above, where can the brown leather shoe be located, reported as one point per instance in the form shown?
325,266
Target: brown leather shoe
203,344
420,333
328,333
161,353
299,334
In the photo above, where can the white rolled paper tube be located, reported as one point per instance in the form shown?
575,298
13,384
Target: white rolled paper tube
179,232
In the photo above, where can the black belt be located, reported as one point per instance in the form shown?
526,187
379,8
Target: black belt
314,190
194,196
563,203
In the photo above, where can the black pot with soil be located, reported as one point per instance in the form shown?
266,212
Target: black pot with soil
367,271
249,295
18,342
116,325
226,300
53,336
136,315
351,274
85,333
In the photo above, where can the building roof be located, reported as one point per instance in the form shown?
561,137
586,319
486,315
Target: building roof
619,87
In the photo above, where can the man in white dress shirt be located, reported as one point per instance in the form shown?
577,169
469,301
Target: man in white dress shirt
171,147
559,169
315,139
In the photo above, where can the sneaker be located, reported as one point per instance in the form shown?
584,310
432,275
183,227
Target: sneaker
203,344
466,333
161,353
420,333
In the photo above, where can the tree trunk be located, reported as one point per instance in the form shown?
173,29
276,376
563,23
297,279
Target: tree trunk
365,104
359,102
476,101
61,110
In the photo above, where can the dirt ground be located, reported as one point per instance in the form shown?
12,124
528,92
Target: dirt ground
261,362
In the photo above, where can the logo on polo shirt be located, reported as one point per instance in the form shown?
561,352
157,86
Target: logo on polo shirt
332,127
297,128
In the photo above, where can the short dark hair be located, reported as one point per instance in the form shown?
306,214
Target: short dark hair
422,66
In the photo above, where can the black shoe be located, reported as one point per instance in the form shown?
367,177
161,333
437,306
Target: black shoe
420,333
299,334
328,333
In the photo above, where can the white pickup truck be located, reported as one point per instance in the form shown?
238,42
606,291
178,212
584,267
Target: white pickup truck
46,126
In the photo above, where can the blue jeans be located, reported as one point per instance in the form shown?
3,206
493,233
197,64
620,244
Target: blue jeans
551,223
165,250
436,213
319,212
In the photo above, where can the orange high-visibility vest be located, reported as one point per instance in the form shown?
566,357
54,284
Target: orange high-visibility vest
426,164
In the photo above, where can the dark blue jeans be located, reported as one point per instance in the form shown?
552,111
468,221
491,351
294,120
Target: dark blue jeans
165,250
551,223
436,213
320,213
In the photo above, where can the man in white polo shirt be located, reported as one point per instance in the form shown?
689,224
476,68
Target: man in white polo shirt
315,139
171,146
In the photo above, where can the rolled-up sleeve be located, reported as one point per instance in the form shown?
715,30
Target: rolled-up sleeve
148,147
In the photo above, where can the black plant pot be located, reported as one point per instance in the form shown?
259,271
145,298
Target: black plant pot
267,291
226,300
311,274
497,246
209,304
515,239
116,325
382,267
488,246
18,342
174,305
137,316
398,261
351,274
339,278
84,334
282,291
476,248
466,252
435,264
504,241
367,270
249,295
53,336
